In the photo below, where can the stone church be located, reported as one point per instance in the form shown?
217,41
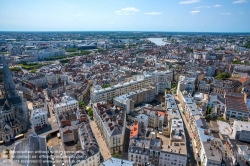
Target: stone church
13,115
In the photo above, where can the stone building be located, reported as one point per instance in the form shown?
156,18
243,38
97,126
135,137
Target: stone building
13,117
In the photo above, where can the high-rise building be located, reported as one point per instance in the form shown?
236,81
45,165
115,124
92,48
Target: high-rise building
13,117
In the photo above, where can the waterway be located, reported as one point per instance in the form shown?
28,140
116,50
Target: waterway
157,41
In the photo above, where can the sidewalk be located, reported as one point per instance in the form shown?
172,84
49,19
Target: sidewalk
101,142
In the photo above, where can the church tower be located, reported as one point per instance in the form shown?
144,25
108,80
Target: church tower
13,109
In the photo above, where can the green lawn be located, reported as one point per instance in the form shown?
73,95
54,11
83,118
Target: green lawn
32,66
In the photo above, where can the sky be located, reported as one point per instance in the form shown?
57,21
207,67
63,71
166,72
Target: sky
125,15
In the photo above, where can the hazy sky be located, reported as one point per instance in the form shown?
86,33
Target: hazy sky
125,15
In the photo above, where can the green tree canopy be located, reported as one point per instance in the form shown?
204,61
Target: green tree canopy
223,76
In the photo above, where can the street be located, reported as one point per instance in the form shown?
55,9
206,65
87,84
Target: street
188,133
102,144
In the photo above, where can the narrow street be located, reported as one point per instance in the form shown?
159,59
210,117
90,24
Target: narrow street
102,144
189,135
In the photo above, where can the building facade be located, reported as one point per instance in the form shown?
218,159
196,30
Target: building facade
111,122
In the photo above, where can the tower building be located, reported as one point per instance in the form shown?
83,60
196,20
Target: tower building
13,109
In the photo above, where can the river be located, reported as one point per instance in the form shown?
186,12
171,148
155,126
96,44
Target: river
157,41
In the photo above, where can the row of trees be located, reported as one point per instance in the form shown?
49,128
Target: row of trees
83,52
31,66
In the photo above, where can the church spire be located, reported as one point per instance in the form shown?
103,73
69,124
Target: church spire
9,85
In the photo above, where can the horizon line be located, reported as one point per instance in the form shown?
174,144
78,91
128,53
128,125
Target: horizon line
118,31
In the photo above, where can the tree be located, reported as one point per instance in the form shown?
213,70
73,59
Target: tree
223,76
90,112
221,119
33,71
189,50
116,155
106,86
7,151
81,104
173,85
208,116
64,61
209,109
15,69
236,61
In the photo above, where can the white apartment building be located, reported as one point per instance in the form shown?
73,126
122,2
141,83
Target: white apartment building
186,83
204,149
189,106
217,102
241,131
111,121
161,79
143,118
39,118
153,118
65,103
115,162
50,52
243,153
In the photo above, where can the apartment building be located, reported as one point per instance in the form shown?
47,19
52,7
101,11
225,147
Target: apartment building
157,149
115,161
52,78
217,102
162,79
39,118
143,150
153,118
243,152
186,83
189,106
235,106
107,94
37,79
206,154
89,155
241,131
111,121
225,86
27,89
174,150
127,101
56,88
64,103
204,87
